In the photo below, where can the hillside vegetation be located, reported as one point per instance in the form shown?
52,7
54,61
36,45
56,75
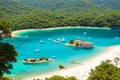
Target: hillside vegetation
48,19
112,4
55,5
12,7
24,14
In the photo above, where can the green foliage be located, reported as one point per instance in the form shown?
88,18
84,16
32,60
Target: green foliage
58,5
77,44
7,55
5,27
116,60
63,13
69,13
4,78
12,7
61,67
43,58
56,77
105,71
71,42
48,19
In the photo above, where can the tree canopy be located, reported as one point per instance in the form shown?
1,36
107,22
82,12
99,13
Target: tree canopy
23,14
7,56
5,27
57,77
105,71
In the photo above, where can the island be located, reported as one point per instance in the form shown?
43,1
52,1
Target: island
80,44
34,61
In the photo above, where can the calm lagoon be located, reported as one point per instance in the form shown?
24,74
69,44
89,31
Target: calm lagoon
27,42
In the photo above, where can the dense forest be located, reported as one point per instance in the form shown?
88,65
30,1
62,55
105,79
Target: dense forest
113,4
24,14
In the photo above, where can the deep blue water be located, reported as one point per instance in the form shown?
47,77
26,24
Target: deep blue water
102,39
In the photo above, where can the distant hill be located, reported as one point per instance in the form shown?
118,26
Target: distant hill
57,5
112,4
10,7
27,14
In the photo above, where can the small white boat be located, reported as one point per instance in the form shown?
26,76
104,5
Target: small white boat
49,39
116,37
54,56
78,37
56,42
84,33
23,46
37,50
26,36
62,40
58,39
41,41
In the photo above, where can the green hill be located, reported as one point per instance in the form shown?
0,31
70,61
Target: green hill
55,13
112,4
10,7
55,5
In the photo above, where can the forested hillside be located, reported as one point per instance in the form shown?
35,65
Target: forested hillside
113,4
55,5
43,20
12,8
22,14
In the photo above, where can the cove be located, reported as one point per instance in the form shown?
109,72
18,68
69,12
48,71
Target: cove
101,37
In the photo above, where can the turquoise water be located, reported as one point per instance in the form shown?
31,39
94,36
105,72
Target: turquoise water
102,39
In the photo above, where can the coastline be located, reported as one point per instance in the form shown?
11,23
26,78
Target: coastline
82,71
14,33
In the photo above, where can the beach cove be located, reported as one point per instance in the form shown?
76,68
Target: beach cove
105,41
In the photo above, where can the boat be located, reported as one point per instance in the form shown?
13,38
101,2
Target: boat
36,61
49,39
62,40
78,37
116,37
56,41
54,56
37,50
23,46
41,41
26,36
84,33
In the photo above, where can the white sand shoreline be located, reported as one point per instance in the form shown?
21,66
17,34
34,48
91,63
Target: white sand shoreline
82,71
24,30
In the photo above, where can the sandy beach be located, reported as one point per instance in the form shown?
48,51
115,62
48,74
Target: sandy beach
14,33
24,30
82,71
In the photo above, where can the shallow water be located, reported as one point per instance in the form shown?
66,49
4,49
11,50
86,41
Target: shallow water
27,42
